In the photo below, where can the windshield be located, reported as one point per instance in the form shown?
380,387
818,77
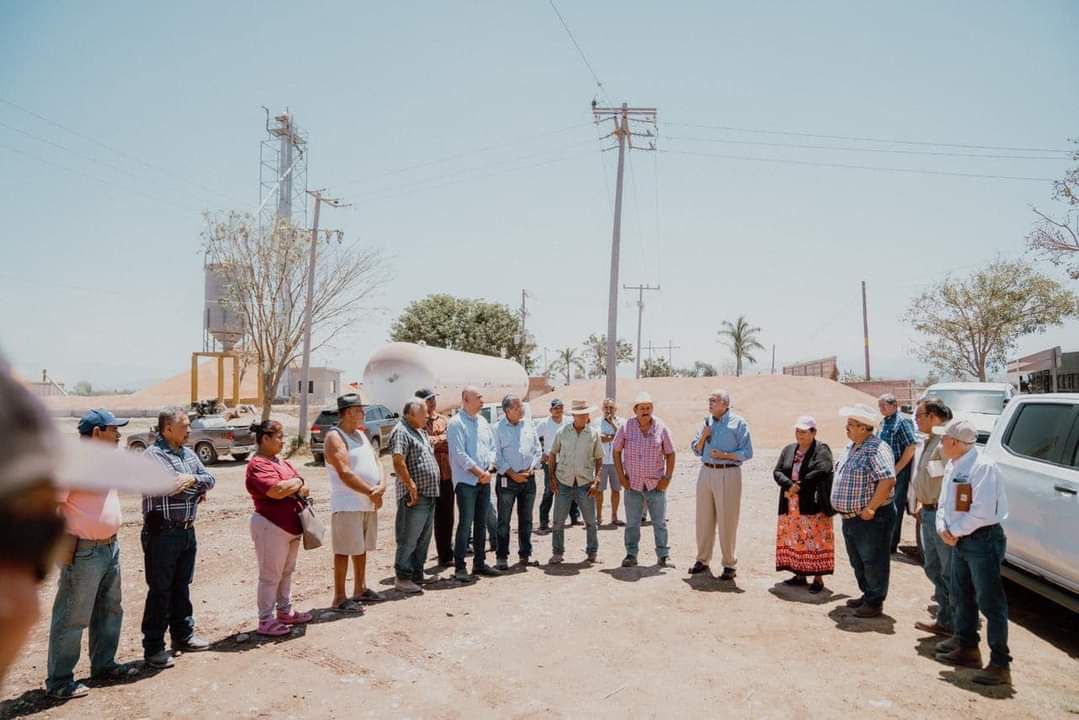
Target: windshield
987,402
209,422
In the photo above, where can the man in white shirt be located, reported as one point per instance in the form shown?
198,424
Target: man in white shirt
547,431
607,427
970,509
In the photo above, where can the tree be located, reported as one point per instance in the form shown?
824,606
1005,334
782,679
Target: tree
83,387
595,354
265,277
465,324
699,369
567,361
656,367
971,324
741,339
1056,238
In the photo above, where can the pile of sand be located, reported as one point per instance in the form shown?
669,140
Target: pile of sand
769,403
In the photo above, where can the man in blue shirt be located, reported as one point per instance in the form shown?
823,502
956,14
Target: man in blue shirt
898,432
723,443
517,456
472,460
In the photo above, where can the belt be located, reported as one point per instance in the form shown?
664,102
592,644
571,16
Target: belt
929,506
83,542
721,465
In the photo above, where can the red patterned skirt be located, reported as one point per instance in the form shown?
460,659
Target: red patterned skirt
805,544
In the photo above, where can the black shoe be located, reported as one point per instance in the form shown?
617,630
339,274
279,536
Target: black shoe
487,571
856,602
797,580
816,586
869,611
629,561
665,562
698,567
728,574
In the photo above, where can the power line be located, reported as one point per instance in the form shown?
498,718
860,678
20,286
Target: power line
871,139
847,166
580,52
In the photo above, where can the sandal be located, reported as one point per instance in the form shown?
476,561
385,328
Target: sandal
294,618
273,628
119,671
350,606
369,595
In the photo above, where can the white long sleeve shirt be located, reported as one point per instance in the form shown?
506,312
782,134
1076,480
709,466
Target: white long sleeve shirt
989,504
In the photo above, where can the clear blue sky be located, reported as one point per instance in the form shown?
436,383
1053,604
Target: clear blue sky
102,273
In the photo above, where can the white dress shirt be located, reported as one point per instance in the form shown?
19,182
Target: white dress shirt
989,504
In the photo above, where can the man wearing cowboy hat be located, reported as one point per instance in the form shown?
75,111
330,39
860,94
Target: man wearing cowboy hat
576,458
862,495
644,461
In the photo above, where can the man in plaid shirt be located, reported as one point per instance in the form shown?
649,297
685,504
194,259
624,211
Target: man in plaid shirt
417,494
898,432
168,542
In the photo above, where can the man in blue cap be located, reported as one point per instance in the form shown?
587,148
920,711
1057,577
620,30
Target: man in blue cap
88,592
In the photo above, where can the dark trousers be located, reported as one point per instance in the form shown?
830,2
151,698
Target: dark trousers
473,504
976,585
867,547
169,561
444,522
902,485
524,495
548,501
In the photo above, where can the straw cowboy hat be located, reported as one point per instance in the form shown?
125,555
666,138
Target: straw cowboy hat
642,397
581,407
862,413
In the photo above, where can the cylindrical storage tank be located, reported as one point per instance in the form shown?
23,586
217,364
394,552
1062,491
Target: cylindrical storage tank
222,322
397,370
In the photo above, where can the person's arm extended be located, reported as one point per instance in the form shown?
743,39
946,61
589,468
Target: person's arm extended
336,454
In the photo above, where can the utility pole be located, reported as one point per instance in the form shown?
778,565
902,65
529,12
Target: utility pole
640,313
670,347
865,331
305,372
773,358
621,117
524,335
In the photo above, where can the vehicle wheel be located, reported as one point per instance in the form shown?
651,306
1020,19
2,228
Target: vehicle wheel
207,454
240,457
136,446
319,458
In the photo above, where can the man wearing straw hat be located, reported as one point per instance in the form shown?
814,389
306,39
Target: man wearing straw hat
862,495
576,458
644,461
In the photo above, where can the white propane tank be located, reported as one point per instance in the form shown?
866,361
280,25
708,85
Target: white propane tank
397,370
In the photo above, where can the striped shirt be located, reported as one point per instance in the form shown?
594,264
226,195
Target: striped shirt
859,470
178,507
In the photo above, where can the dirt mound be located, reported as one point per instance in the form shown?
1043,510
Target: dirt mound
769,403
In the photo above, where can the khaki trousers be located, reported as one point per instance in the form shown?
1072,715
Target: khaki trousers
719,499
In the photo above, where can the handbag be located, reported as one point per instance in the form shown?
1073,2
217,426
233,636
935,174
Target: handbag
313,529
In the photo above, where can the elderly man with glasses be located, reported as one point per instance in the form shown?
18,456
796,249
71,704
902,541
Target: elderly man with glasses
862,495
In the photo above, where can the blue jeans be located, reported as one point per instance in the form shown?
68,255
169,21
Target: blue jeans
87,595
169,562
656,502
937,562
473,507
567,496
975,586
548,500
524,494
867,544
899,502
413,527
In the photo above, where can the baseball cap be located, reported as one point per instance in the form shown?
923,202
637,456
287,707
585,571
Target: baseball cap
425,393
556,403
805,422
350,400
960,430
99,418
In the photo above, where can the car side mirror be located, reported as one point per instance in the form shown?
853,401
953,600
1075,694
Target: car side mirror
394,416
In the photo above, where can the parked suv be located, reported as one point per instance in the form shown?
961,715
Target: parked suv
378,422
1036,446
980,403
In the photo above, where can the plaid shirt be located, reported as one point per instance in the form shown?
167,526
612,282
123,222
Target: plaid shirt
898,432
415,447
644,454
859,470
178,507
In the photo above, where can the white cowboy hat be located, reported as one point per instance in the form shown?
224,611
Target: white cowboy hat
642,397
862,413
581,407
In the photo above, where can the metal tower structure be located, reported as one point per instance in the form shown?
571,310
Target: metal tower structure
282,173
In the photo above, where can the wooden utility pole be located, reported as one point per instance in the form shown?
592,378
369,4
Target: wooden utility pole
524,335
621,117
865,331
640,313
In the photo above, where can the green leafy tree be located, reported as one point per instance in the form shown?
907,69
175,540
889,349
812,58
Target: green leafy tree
971,324
656,367
464,324
595,354
1055,237
741,338
568,362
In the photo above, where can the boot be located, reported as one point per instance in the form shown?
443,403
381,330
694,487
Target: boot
962,657
993,675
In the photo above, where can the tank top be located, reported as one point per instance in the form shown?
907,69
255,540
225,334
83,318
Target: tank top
362,460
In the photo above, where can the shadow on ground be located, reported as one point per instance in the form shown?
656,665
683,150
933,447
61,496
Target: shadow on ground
845,620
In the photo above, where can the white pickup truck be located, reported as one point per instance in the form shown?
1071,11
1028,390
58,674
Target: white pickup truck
981,403
1036,447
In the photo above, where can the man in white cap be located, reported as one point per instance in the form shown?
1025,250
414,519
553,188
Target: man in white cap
644,461
723,443
972,505
576,458
862,494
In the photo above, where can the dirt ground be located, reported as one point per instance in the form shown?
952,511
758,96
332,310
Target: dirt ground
569,641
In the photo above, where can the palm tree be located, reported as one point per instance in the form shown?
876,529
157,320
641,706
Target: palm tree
742,341
567,361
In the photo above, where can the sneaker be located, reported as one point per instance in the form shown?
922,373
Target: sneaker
856,602
117,672
486,571
160,659
462,576
993,675
698,567
69,691
273,628
962,657
406,586
629,561
503,564
556,559
192,644
294,618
